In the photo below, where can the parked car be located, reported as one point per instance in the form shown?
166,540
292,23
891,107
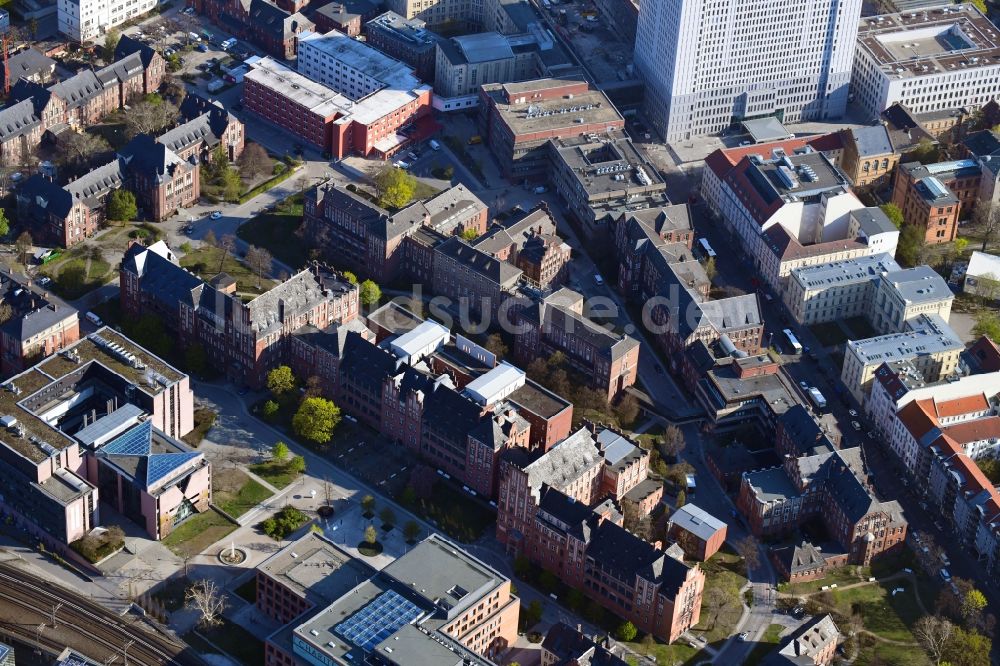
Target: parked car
44,280
541,189
598,280
216,214
853,413
855,425
945,576
202,48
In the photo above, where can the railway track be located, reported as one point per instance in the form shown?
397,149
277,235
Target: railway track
96,632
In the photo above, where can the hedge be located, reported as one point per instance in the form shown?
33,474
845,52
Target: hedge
266,185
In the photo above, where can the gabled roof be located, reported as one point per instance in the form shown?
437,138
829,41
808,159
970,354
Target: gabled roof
17,119
802,557
155,161
30,63
501,272
128,46
78,89
275,20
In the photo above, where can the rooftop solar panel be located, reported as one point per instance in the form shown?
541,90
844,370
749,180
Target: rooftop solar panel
161,464
135,442
378,620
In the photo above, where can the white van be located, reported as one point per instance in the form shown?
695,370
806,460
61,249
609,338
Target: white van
94,319
434,145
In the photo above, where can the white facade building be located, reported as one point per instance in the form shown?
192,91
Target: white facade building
88,20
708,62
930,60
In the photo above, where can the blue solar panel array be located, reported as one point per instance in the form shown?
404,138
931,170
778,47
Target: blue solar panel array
378,620
135,442
161,464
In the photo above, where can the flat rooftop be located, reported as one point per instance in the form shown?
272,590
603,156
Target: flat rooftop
920,284
846,272
550,115
371,62
317,569
796,174
538,400
929,334
411,31
608,166
930,41
771,485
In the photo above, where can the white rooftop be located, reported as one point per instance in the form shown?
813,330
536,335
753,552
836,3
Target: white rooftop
982,264
697,521
420,341
496,384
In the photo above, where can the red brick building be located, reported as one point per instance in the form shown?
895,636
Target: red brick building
831,486
39,324
609,361
699,533
532,244
244,340
273,28
933,197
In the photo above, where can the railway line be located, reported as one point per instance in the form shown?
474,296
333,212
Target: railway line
80,624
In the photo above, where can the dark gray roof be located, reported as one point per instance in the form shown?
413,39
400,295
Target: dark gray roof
295,296
121,71
872,140
275,20
30,63
207,128
18,119
873,220
31,311
128,46
796,559
803,431
980,144
161,278
478,261
516,233
152,159
78,89
625,556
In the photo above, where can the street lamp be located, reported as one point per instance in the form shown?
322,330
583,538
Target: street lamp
128,644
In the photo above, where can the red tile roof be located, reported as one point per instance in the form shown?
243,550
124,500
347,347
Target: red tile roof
974,431
958,406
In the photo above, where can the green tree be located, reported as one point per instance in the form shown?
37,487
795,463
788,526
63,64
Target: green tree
387,516
4,223
280,381
626,631
110,43
470,234
960,245
196,359
522,567
370,293
988,324
911,245
710,270
531,614
269,410
150,333
122,206
232,185
973,604
681,498
316,420
23,246
547,581
368,505
297,465
371,536
967,648
991,468
279,452
893,212
980,5
411,530
350,277
395,187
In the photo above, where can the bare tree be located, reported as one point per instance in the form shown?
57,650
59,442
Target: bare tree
673,441
226,244
209,238
77,148
260,261
933,633
254,161
206,598
987,219
149,117
23,246
713,601
747,549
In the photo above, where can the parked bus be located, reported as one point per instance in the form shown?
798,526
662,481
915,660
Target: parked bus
816,397
792,340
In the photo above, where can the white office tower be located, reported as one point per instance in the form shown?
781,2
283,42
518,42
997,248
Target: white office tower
707,63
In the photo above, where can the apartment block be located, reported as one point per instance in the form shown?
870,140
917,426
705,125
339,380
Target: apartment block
927,342
275,29
86,21
436,605
703,67
869,156
244,339
518,119
40,324
911,57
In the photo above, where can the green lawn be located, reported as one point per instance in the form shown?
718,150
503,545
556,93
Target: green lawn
113,133
723,571
73,275
277,232
204,262
839,576
276,473
424,191
197,533
664,654
236,493
767,643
